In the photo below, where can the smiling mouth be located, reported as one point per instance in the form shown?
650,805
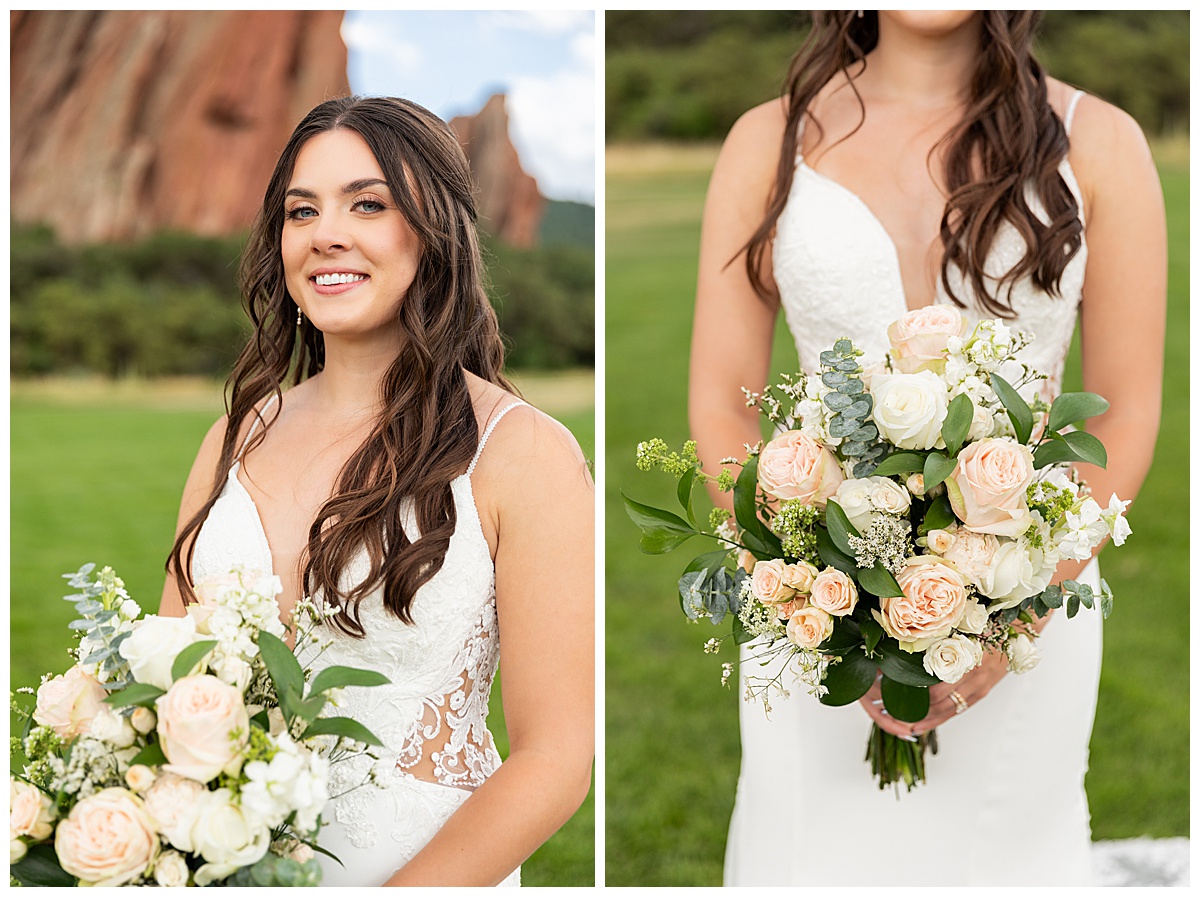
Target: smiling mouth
330,280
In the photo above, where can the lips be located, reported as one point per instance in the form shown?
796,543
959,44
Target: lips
331,282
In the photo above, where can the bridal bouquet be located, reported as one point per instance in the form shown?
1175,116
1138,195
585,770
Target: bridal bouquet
179,751
904,520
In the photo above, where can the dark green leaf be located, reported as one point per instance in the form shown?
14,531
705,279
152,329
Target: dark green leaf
708,562
138,693
1072,606
662,531
151,755
310,708
1052,597
340,677
848,679
740,634
1072,407
899,463
39,868
1106,599
845,636
343,727
840,527
878,580
745,498
938,516
831,556
282,665
684,493
872,632
190,657
937,468
1087,447
907,703
903,666
957,423
1054,451
1017,408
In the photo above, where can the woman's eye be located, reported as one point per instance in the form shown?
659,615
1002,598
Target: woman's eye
301,212
369,205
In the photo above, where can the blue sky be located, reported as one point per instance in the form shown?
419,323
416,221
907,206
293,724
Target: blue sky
451,62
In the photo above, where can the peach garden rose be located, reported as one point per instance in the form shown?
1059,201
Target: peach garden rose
809,626
793,465
919,337
767,582
30,812
68,703
107,840
935,596
987,488
202,725
834,592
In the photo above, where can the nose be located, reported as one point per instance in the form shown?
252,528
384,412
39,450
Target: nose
331,234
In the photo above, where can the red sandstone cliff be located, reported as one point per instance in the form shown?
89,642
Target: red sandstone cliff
126,122
510,205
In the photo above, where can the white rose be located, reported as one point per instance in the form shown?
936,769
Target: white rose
30,812
952,658
1023,654
939,542
972,554
112,728
233,671
224,837
154,644
854,497
1011,577
171,870
982,424
916,484
16,850
974,619
139,778
889,496
910,408
143,720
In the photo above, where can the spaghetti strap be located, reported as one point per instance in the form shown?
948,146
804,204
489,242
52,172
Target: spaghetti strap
488,432
1071,111
253,427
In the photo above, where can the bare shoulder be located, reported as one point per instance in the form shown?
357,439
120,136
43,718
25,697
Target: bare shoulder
1107,144
750,153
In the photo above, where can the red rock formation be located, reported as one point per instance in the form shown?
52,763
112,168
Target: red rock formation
126,122
510,207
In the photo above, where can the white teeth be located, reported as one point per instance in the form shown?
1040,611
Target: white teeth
329,280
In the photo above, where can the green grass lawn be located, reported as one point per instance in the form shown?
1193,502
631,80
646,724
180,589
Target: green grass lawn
96,475
671,731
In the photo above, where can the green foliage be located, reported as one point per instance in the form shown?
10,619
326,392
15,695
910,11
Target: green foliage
170,305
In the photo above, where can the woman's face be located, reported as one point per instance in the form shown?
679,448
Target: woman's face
349,255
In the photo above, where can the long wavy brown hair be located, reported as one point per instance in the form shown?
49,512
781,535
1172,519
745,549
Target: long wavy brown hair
1008,140
427,432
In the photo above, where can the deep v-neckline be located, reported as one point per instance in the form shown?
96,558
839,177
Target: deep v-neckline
897,268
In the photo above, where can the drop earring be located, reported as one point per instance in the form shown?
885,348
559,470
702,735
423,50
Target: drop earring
860,13
299,317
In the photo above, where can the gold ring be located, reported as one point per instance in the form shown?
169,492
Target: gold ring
960,703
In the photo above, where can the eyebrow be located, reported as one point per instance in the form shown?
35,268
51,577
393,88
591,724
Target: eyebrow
351,187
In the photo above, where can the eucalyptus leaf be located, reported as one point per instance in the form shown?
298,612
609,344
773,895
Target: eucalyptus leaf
842,426
849,366
843,346
864,468
1052,596
836,401
1017,408
878,580
861,407
1072,606
1072,407
833,379
907,703
829,358
852,388
848,679
854,449
865,433
899,463
1106,599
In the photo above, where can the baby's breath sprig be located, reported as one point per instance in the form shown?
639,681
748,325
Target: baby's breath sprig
796,526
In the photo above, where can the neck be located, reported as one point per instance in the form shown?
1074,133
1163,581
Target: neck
350,380
925,69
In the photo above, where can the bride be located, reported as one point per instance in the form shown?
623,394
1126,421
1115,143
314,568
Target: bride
920,158
399,480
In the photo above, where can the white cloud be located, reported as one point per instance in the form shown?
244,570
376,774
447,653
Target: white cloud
553,126
545,21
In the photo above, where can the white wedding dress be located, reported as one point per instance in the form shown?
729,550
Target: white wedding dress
1004,802
432,717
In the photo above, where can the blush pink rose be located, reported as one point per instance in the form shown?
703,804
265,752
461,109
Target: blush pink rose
30,812
68,703
834,592
809,626
767,582
202,725
935,596
800,576
919,337
793,465
987,488
107,840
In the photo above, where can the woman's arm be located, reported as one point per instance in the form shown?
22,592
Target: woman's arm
1123,321
542,502
733,328
195,494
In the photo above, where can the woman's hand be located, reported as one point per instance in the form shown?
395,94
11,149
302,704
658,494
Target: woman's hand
971,689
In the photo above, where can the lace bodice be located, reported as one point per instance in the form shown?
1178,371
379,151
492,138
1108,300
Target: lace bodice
838,274
432,717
